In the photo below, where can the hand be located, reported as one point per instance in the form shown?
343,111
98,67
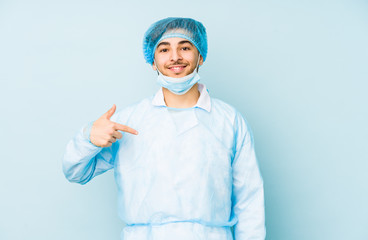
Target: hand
105,132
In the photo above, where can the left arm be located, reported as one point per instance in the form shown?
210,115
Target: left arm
247,196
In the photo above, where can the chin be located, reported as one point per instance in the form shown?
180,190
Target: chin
176,75
180,75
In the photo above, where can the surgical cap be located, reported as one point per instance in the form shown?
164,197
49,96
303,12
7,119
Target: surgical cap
186,28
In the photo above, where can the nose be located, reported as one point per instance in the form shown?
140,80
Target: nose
175,56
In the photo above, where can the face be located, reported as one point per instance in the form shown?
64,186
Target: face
176,57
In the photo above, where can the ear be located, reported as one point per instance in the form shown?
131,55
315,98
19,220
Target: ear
154,66
200,60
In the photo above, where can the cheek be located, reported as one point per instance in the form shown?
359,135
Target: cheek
160,62
188,56
161,58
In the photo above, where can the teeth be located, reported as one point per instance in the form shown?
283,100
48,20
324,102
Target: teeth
176,68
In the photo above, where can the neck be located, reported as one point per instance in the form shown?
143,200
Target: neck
187,100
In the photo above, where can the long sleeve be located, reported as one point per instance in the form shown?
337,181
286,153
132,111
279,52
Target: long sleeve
82,160
247,195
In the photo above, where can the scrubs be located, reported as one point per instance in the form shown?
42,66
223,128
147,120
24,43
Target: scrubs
189,174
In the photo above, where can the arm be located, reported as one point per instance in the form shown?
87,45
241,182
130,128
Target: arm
92,151
247,196
83,160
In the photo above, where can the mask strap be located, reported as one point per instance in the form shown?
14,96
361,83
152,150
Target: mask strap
199,57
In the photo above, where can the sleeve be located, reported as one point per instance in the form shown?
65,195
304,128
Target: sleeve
83,160
247,195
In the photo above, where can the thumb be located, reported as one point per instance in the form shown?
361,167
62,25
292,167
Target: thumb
110,112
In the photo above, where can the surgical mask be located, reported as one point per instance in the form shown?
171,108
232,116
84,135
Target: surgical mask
179,86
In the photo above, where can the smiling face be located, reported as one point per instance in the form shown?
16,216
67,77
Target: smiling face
176,57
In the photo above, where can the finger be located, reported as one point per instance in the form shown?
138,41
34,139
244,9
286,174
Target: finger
117,135
112,140
110,112
124,128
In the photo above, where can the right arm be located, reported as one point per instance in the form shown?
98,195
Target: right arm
83,160
92,151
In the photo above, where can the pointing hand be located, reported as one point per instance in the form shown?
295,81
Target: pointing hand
105,132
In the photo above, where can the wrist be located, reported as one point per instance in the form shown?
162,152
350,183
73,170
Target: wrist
87,131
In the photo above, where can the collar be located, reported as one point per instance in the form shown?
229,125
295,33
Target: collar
204,100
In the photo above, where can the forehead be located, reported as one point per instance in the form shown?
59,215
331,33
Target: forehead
173,42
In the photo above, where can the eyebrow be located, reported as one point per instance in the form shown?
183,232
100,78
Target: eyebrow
167,43
185,41
162,43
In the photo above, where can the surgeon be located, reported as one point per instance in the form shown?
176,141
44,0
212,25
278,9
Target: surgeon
184,161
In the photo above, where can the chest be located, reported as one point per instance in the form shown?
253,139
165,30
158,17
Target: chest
168,140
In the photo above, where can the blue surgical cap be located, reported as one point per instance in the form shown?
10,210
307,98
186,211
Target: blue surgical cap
186,28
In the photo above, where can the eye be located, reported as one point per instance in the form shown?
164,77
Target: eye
164,50
186,48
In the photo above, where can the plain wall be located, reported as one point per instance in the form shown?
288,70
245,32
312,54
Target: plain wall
297,70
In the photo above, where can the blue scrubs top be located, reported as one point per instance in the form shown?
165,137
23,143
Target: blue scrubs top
189,174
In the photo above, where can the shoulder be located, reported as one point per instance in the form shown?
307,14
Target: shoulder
234,115
225,109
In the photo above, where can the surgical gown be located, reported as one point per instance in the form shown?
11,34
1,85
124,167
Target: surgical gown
190,174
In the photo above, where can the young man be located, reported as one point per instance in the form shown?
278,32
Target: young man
191,171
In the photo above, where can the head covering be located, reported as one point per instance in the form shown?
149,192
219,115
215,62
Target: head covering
186,28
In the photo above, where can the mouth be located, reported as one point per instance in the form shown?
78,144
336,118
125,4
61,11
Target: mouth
177,68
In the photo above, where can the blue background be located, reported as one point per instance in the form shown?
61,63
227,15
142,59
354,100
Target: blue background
297,70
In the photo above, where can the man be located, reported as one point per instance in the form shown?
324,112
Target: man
191,171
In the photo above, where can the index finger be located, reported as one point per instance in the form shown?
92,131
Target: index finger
124,128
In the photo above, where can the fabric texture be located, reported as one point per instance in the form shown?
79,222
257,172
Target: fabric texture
189,174
186,28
